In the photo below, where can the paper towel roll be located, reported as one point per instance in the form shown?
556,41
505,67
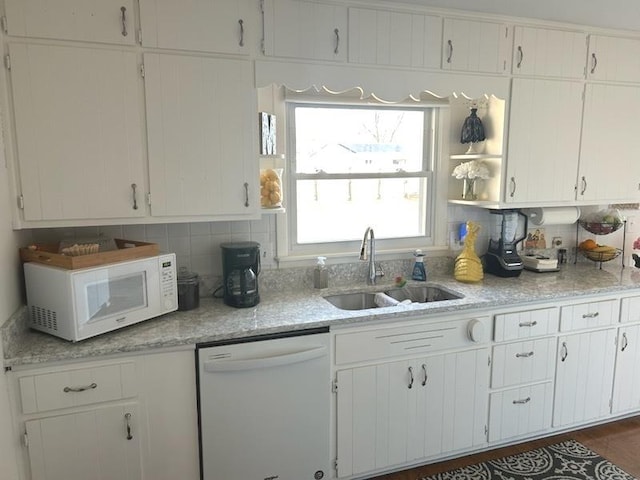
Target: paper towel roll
553,215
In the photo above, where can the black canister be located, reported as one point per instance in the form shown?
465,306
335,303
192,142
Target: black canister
188,290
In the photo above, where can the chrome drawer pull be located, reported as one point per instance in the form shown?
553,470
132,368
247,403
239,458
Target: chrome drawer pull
336,32
124,20
241,23
564,352
410,377
591,315
524,355
522,402
625,342
594,62
80,389
426,377
528,324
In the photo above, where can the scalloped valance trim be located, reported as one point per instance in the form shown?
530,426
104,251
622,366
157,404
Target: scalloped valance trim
385,84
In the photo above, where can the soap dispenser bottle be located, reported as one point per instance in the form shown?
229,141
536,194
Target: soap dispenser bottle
320,274
419,272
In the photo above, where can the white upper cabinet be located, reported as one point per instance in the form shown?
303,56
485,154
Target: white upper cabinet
382,37
549,53
613,59
302,29
102,21
474,46
79,131
544,140
202,141
606,171
224,26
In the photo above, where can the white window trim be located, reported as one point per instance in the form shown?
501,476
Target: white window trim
399,248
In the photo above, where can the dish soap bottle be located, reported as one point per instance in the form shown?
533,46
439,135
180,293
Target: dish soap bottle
320,274
419,272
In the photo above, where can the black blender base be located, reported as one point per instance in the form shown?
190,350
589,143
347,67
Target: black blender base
493,265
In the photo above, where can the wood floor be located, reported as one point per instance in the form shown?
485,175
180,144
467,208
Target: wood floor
618,442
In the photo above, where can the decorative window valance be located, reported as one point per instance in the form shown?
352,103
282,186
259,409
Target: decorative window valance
385,84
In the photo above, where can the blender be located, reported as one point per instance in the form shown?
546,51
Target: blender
501,258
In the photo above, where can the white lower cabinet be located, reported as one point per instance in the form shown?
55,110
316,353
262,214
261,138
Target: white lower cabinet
127,419
626,384
398,412
520,411
101,443
584,377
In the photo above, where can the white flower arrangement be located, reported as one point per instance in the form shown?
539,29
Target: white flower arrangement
472,169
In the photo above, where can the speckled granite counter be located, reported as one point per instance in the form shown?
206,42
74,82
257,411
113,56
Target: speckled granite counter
281,311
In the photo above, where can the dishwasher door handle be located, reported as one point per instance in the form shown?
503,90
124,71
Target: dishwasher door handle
266,362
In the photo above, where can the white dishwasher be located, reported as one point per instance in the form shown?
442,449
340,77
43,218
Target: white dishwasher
264,407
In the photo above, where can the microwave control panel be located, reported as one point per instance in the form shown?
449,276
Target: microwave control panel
168,281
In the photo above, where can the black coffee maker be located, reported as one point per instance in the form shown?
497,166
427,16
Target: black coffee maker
240,270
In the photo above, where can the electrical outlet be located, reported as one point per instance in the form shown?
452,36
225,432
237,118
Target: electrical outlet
556,242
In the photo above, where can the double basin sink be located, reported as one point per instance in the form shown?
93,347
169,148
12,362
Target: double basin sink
414,293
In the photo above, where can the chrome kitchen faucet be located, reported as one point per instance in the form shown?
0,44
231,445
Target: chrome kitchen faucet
374,272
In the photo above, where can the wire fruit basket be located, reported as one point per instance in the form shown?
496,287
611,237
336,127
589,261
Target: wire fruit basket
601,256
600,228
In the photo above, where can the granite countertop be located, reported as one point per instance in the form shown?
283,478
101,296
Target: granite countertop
304,308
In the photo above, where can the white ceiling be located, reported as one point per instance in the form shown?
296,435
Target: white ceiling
620,14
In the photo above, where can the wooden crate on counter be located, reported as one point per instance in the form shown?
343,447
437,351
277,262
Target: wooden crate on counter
47,254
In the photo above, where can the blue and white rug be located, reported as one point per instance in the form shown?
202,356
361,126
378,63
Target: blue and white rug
568,460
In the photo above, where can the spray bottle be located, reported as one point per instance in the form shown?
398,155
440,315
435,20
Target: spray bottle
419,272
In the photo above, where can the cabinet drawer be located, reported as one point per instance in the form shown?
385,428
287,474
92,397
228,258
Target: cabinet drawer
412,339
526,324
71,388
520,411
630,310
589,315
523,362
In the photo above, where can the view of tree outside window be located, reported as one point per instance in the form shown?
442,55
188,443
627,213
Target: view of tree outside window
360,166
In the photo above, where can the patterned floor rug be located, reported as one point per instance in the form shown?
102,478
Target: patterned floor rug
568,460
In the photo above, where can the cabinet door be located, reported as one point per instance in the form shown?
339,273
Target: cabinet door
584,377
199,25
391,38
102,21
613,59
397,412
79,130
549,53
201,125
606,173
543,149
302,29
626,385
474,46
93,445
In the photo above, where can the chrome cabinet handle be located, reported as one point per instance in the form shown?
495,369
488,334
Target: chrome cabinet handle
565,352
513,187
127,419
528,324
520,56
241,23
594,62
591,315
124,21
135,200
522,402
524,355
246,194
625,342
450,54
80,389
584,185
426,377
337,33
410,377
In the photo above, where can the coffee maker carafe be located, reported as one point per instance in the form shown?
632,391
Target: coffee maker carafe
240,270
502,259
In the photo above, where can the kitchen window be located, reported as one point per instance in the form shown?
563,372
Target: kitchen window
354,165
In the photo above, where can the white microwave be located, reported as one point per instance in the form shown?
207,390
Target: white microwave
83,303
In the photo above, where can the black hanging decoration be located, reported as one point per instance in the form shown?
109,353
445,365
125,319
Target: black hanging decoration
472,129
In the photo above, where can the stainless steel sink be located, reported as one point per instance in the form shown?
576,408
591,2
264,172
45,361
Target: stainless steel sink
415,293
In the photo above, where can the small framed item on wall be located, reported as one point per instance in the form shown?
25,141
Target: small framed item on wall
267,134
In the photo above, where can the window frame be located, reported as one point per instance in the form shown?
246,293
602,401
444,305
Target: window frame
436,116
